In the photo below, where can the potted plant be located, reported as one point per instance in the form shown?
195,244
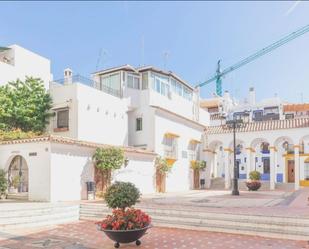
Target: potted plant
3,184
126,224
254,183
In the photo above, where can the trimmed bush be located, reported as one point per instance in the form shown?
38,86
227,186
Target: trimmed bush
255,175
122,195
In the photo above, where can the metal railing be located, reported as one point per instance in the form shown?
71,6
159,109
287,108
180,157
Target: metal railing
170,152
89,82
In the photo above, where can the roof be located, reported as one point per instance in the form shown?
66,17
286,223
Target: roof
207,103
296,107
71,141
126,67
262,126
167,73
177,115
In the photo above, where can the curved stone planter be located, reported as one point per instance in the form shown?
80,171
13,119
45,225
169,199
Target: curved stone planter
253,185
125,236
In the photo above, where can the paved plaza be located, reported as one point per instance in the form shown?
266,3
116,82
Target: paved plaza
83,235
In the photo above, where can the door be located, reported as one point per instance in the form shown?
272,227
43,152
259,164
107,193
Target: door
196,177
291,171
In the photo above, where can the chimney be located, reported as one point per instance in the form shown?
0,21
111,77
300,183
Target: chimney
251,96
68,74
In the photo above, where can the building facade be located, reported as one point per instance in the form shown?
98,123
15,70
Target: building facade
17,62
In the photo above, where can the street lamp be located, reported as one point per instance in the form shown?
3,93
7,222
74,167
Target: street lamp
234,124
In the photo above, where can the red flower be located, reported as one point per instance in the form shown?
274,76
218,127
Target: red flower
128,219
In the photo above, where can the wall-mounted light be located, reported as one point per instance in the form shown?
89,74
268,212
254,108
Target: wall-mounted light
126,162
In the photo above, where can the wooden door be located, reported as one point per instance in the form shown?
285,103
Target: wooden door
291,171
196,178
160,181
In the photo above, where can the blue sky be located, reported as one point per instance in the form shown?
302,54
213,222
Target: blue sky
193,34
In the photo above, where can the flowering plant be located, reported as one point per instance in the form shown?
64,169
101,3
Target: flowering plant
125,219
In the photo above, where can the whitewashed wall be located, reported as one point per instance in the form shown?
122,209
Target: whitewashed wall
38,166
140,171
26,63
181,177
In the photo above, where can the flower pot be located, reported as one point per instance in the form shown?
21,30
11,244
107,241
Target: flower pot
125,236
253,185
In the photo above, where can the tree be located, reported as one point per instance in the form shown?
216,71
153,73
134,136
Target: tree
24,105
106,160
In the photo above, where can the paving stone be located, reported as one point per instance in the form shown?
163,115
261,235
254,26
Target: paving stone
83,235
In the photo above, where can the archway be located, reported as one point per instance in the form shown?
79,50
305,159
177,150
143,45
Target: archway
284,168
262,157
18,175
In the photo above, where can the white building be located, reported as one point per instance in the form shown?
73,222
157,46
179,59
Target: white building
17,62
273,141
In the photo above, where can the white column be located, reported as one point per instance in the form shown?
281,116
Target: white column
214,164
296,167
273,151
249,161
227,168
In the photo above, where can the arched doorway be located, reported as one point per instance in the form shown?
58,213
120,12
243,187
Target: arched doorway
18,176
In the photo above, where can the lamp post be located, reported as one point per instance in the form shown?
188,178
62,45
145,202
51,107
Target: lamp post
234,124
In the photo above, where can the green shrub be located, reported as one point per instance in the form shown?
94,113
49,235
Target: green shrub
3,182
17,134
106,160
121,195
255,175
162,165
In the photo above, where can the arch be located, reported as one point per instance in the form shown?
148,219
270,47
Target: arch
18,174
215,144
280,140
257,141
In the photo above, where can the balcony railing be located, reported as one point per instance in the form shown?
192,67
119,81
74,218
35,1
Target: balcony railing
89,82
170,152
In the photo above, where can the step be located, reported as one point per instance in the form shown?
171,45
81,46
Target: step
277,227
25,215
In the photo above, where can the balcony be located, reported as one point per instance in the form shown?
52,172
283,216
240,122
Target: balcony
89,82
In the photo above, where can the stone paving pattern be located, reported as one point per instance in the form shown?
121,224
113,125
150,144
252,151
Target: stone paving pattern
83,235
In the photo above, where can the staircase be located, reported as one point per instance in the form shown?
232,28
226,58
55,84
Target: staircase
217,183
262,225
18,196
24,215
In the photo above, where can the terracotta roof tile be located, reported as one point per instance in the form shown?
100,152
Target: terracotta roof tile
262,126
66,140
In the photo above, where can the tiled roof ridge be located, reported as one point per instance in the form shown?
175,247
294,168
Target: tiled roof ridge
67,140
262,126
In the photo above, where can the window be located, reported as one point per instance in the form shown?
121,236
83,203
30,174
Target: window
271,110
187,93
63,118
289,116
110,81
258,115
139,124
133,81
160,84
266,165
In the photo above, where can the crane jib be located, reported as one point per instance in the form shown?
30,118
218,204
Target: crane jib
217,77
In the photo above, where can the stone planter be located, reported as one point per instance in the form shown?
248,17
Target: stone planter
125,236
253,185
